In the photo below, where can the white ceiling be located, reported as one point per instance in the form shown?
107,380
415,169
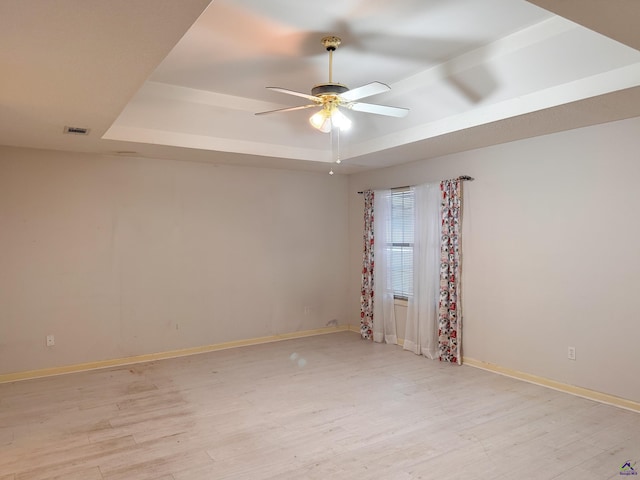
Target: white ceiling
183,80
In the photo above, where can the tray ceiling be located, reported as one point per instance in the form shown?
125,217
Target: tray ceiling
183,79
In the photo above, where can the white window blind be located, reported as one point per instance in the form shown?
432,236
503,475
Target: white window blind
402,227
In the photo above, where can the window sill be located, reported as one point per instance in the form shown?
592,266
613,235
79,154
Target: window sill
400,302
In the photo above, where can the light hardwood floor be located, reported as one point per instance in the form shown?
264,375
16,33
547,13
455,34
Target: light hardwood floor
325,407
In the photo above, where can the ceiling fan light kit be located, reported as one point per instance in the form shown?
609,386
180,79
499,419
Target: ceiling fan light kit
328,118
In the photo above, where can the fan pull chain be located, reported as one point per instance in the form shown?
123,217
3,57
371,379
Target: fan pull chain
334,139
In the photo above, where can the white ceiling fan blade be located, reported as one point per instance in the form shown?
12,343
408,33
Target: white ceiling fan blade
379,109
367,90
288,109
297,94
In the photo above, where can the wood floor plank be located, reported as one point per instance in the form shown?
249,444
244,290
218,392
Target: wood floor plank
330,406
143,465
92,473
59,462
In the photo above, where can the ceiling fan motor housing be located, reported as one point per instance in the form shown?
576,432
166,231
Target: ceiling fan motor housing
329,89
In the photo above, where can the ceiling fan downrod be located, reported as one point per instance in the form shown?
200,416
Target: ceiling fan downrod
331,43
329,91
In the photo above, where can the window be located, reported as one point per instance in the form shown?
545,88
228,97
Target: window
402,207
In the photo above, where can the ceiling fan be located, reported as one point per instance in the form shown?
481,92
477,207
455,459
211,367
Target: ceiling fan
331,97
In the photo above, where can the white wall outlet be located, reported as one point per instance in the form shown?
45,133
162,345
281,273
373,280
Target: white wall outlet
51,340
571,353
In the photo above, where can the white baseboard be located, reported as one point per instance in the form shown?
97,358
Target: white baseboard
562,387
544,382
82,367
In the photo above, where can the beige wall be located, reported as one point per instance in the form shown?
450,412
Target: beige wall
551,255
121,256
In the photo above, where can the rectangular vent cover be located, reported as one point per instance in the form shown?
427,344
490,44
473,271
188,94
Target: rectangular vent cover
76,130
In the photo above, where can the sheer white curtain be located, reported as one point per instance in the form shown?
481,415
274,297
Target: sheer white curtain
421,335
384,322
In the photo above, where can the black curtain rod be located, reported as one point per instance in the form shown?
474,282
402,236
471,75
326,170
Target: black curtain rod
461,177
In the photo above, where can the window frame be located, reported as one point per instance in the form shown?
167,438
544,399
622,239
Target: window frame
403,295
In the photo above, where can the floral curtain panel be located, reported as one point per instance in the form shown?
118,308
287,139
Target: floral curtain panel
449,315
366,295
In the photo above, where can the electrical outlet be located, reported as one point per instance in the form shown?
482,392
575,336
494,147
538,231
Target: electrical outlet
571,353
51,340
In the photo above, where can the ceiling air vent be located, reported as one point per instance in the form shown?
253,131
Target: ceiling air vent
76,130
